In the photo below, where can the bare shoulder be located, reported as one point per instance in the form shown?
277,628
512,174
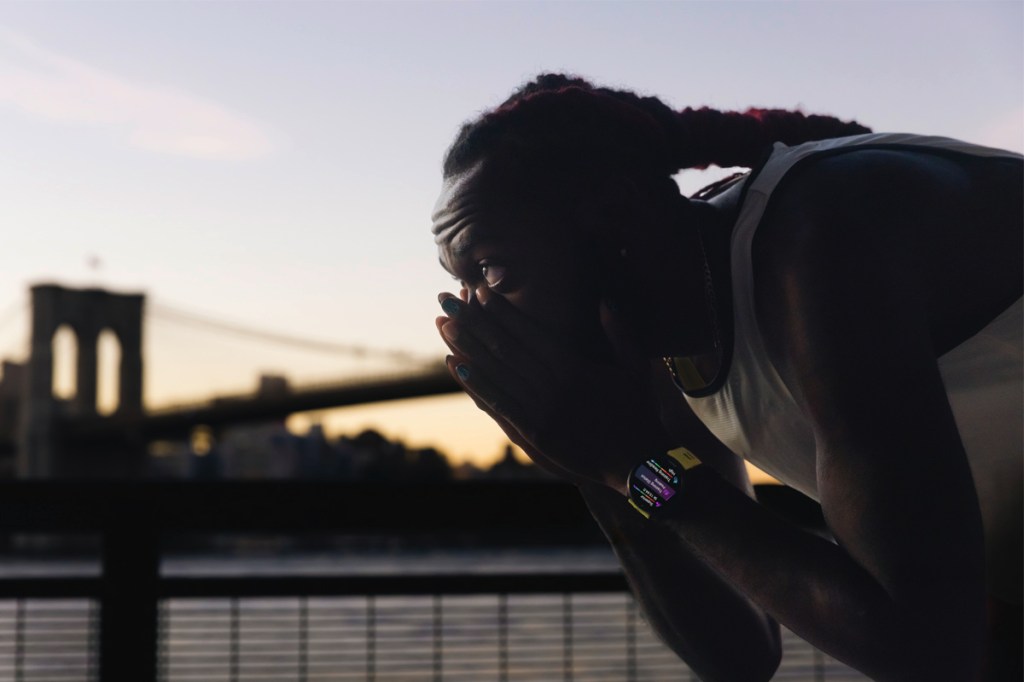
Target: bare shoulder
903,242
860,195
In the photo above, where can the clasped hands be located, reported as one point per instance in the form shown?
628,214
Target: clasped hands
584,420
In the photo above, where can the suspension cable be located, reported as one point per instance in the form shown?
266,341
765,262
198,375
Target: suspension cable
209,322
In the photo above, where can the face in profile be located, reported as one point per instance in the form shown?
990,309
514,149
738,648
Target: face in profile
487,237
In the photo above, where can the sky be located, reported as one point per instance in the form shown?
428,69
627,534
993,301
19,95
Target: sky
274,164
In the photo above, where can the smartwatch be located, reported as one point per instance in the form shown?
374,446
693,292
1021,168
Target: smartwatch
656,480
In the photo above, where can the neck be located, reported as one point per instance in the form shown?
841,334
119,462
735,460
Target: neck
699,372
666,273
706,243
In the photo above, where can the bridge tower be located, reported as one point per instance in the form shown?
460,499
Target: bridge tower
87,312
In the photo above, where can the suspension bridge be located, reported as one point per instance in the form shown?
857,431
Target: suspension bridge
45,430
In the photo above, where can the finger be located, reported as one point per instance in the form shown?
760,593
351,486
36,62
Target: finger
450,304
487,342
519,439
491,394
483,389
522,328
525,386
440,322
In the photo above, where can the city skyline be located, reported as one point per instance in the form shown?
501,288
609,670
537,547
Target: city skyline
273,165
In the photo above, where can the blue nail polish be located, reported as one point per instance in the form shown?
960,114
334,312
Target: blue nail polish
462,371
450,306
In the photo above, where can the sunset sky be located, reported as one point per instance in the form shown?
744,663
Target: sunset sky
274,164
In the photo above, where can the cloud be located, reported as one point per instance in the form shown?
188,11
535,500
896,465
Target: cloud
153,118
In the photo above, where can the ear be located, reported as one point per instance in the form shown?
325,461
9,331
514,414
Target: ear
613,208
602,218
600,201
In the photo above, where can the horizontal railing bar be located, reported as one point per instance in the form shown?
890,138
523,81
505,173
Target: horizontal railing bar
545,508
45,611
341,586
513,583
47,588
288,506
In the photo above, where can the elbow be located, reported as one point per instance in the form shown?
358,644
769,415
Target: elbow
760,666
745,666
753,663
764,666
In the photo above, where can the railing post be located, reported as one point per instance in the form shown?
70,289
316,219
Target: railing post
128,605
630,638
303,638
503,637
91,648
19,641
371,639
233,637
819,666
438,639
567,667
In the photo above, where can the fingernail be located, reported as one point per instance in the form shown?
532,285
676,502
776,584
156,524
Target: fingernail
450,306
462,371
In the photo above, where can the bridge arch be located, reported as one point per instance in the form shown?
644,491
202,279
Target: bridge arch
88,312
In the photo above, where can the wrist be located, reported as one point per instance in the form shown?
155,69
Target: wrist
617,478
657,483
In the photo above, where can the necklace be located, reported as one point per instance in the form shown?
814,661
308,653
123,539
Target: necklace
684,371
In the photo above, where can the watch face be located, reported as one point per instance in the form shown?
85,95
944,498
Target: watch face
653,483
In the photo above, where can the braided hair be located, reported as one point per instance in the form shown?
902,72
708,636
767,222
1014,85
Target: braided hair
564,122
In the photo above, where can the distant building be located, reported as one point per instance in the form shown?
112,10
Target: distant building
467,472
510,468
273,386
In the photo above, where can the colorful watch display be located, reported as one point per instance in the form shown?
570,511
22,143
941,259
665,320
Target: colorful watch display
656,480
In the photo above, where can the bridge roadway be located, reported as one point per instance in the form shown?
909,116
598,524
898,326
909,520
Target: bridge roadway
176,422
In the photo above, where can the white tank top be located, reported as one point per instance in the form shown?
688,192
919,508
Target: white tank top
755,415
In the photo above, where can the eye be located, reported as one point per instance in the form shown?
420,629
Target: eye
492,273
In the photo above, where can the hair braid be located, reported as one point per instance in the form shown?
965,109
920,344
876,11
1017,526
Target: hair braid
564,119
708,136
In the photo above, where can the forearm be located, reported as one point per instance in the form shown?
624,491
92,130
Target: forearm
695,612
817,590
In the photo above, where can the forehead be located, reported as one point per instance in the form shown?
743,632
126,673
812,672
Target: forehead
493,204
472,208
462,196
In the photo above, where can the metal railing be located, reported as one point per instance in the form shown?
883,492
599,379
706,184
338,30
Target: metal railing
564,636
136,618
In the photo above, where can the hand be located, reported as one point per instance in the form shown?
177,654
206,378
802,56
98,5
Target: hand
581,419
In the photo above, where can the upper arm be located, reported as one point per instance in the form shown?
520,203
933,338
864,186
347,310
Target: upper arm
843,302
